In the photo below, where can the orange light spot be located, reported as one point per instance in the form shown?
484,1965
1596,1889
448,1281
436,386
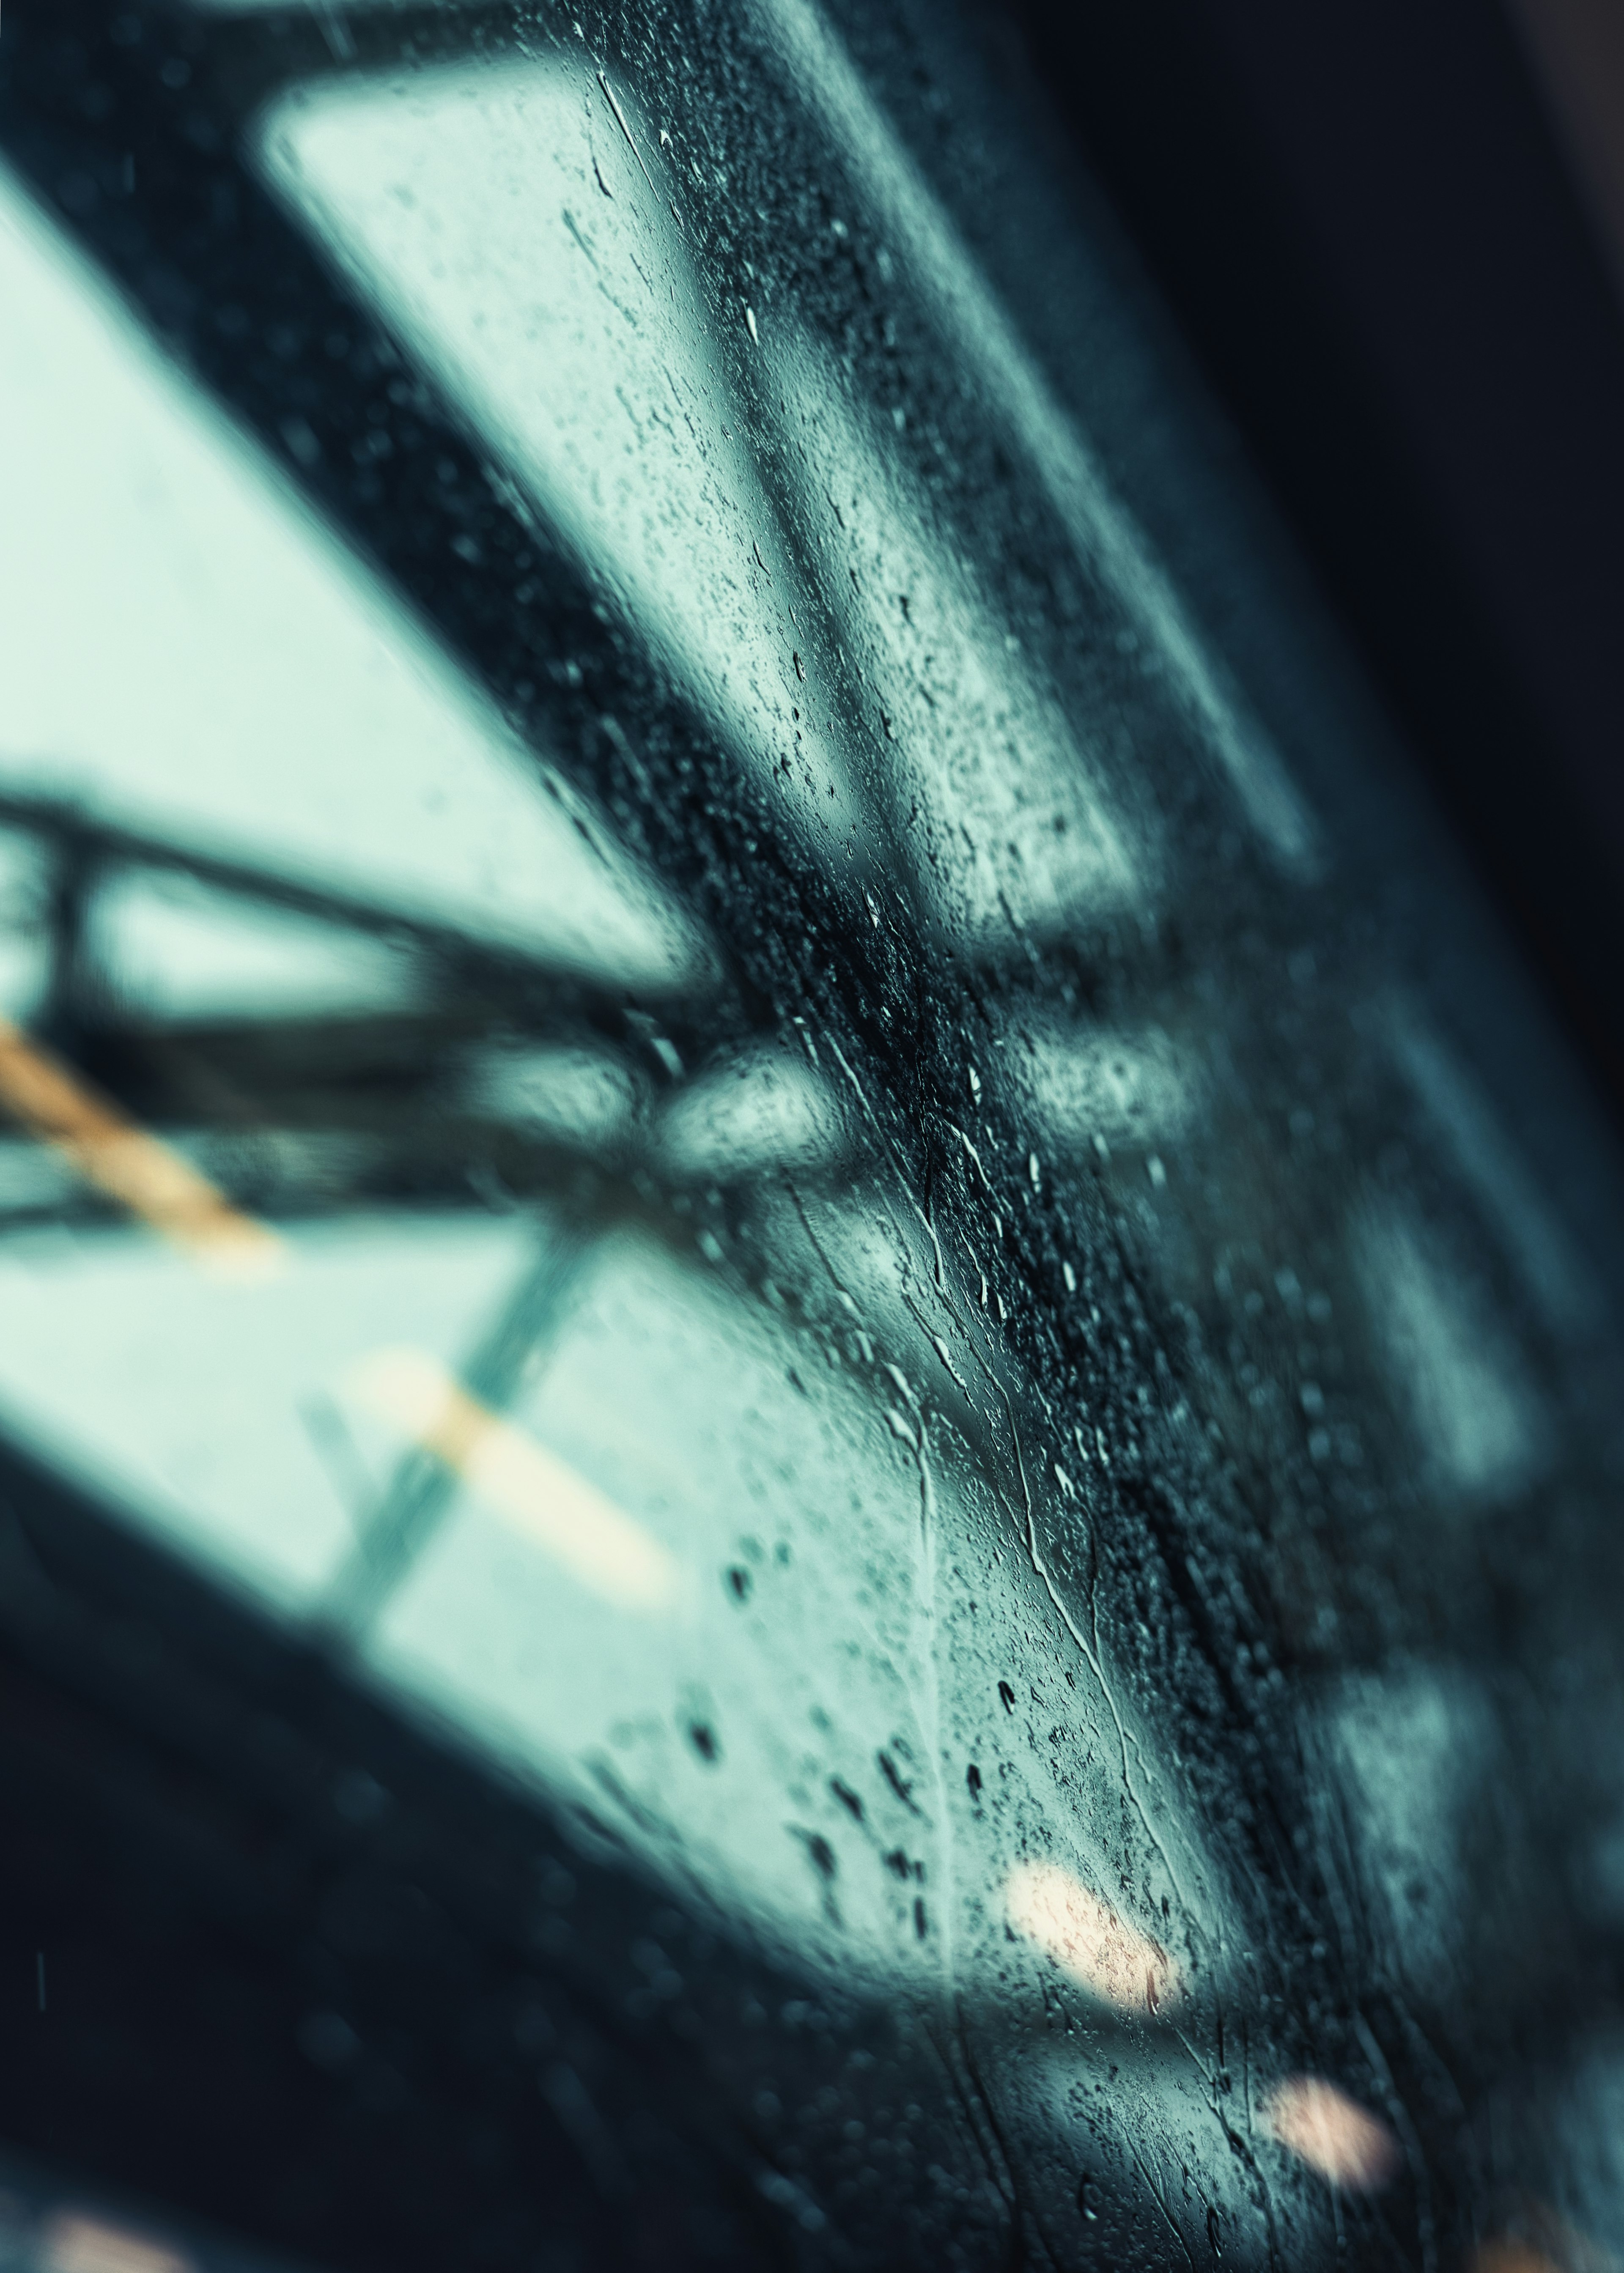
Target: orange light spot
128,1163
1505,2256
538,1494
1101,1950
1548,2245
1332,2133
73,2243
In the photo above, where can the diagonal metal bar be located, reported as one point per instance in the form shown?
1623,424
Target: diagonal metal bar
419,1493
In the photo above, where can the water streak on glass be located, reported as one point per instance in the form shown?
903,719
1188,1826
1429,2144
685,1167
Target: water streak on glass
903,1311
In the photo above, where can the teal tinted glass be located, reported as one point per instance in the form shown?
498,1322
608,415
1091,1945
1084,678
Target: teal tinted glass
734,1060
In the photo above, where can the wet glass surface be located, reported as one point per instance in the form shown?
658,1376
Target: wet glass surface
732,1053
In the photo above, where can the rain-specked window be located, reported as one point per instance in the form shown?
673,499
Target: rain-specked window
808,1363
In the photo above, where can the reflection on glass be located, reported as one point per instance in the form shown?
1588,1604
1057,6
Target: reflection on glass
178,951
1344,2142
509,224
1556,1273
1476,1415
1088,1939
1413,1748
186,653
72,2242
1005,824
851,1365
127,1164
1090,1088
998,367
544,1500
202,1406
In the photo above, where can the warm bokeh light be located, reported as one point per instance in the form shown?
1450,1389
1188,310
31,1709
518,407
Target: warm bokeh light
1547,2244
1512,2256
540,1495
128,1163
1104,1954
73,2243
1332,2133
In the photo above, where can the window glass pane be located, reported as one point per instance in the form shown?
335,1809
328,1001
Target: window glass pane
697,1091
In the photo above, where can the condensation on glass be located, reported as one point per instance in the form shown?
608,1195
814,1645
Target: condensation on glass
814,1200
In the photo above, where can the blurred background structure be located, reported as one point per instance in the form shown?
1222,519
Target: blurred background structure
811,1229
